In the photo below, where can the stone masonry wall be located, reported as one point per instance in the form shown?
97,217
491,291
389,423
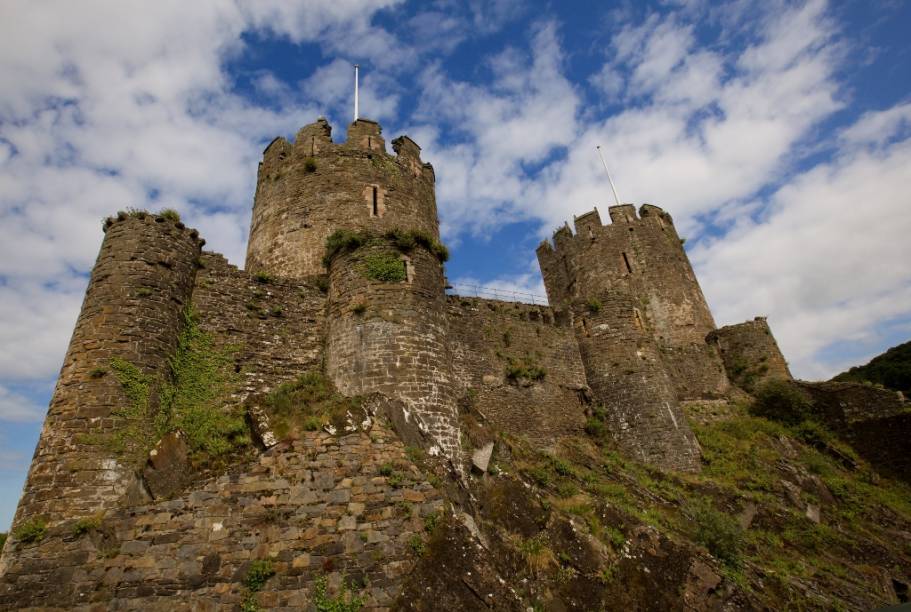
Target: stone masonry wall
133,307
484,334
751,355
624,369
307,190
275,329
391,338
640,256
317,506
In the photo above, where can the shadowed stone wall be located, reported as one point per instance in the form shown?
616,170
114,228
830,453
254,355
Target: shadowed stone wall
139,288
315,507
751,355
486,335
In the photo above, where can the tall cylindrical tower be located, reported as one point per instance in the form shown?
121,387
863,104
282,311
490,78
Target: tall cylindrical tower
132,311
386,307
642,256
307,190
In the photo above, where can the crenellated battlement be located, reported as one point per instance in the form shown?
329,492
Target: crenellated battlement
589,226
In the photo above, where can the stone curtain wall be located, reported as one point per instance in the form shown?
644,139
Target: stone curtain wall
643,257
391,338
750,353
316,507
309,189
485,334
133,307
274,329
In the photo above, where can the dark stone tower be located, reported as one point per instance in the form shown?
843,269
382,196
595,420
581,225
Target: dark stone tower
750,352
383,336
133,307
641,320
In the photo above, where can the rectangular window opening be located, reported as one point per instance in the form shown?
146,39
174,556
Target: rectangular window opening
376,209
629,269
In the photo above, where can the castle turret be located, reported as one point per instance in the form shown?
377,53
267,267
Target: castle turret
131,314
750,352
309,189
642,256
641,320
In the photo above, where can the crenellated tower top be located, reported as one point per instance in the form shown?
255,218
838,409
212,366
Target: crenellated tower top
308,189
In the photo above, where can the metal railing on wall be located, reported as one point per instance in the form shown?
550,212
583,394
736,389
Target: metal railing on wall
506,295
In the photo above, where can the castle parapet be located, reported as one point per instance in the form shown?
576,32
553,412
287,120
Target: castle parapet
624,213
315,138
366,134
587,224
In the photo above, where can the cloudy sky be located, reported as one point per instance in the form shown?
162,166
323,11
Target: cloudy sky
777,134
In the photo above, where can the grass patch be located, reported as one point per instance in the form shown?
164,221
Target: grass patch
523,371
594,305
718,532
407,240
31,531
384,268
263,278
169,214
86,524
538,556
779,400
345,241
310,402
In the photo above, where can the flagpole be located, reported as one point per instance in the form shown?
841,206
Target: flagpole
613,188
355,92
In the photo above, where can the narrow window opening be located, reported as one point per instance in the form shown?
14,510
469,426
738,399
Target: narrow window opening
369,142
313,145
629,269
376,208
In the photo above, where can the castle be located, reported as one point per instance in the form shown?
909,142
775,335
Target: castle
627,331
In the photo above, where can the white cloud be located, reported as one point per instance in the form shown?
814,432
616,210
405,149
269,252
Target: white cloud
828,262
14,407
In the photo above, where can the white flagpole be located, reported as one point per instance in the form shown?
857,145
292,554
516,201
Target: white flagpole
355,92
614,189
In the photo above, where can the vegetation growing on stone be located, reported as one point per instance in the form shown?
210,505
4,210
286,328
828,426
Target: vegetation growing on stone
781,401
3,537
344,241
170,214
384,268
31,531
191,399
86,524
310,164
310,402
344,601
524,370
594,305
258,573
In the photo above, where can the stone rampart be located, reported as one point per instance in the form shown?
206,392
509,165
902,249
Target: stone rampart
489,339
751,355
317,507
390,336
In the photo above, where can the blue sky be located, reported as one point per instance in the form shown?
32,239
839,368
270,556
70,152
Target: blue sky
778,135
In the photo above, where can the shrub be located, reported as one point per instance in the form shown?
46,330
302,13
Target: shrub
384,267
309,401
258,573
170,214
594,427
322,283
263,278
594,305
406,240
718,532
359,309
779,400
345,601
517,371
416,542
341,241
32,530
310,164
85,525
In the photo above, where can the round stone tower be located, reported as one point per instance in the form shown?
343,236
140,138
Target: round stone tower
386,301
643,257
309,189
641,321
132,311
